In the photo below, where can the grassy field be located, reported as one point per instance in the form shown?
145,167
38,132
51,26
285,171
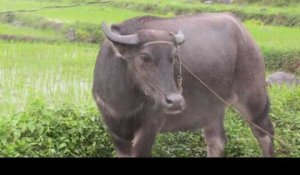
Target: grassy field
45,70
288,15
197,5
46,108
280,45
90,14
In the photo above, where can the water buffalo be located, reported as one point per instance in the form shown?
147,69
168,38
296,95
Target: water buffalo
135,80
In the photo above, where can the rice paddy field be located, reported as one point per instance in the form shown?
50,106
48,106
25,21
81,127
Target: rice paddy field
46,105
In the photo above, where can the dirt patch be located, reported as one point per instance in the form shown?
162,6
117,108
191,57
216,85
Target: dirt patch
25,38
31,21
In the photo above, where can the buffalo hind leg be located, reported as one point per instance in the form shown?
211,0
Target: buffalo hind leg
256,109
215,137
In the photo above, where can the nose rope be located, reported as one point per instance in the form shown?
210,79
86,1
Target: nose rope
179,79
179,76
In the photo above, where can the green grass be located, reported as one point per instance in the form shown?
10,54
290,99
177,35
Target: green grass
87,24
44,70
285,42
276,37
287,15
280,45
94,14
279,3
10,5
90,14
282,40
182,4
56,130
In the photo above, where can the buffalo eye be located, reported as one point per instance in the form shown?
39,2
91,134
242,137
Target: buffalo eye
145,58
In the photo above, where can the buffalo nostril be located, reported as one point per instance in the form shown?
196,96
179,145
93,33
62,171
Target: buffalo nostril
169,101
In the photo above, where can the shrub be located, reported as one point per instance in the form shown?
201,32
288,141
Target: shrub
43,131
86,32
270,2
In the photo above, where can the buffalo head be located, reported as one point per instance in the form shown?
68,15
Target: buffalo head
149,55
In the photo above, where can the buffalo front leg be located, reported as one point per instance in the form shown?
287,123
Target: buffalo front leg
215,138
143,140
122,146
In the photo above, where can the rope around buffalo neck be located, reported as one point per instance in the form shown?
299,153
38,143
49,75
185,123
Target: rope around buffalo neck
179,79
179,76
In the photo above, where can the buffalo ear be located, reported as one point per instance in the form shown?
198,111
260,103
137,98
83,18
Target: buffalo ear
117,50
179,37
